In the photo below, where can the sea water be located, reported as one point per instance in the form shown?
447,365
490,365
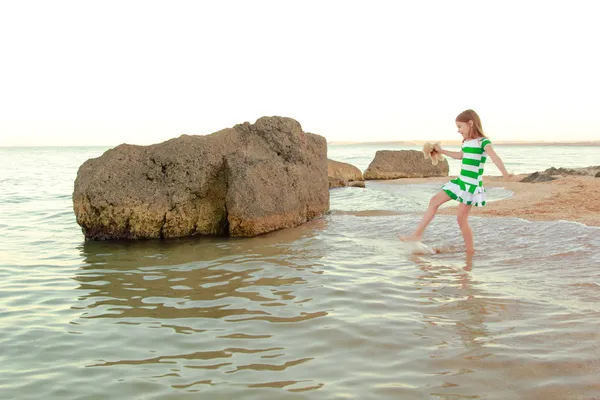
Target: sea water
332,309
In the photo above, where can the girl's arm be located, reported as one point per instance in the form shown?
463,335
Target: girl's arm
454,154
497,160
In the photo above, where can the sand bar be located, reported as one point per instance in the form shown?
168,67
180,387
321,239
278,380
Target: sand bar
569,198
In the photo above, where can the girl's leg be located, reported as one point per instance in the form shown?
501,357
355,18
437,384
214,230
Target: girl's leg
435,202
463,222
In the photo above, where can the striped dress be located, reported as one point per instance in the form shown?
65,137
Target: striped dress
468,187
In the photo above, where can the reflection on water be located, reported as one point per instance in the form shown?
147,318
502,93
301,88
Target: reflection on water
333,309
483,342
454,324
226,294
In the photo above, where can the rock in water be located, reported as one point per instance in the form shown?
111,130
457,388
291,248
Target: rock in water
394,164
241,181
343,174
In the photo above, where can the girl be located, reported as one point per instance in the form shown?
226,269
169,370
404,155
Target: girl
467,189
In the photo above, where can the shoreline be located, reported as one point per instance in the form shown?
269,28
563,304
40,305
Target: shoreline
572,198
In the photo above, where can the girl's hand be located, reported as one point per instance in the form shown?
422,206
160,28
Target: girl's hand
437,148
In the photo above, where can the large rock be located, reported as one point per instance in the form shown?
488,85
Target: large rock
343,174
394,164
241,181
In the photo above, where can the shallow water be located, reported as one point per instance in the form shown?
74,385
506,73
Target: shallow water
332,309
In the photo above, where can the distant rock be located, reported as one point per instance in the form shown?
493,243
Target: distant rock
343,174
563,171
547,175
597,174
592,170
241,181
537,177
393,164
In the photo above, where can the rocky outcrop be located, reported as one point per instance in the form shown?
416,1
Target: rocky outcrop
563,171
393,164
241,181
343,174
548,174
591,171
537,177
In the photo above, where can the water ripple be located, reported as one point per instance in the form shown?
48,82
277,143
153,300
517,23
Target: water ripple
332,309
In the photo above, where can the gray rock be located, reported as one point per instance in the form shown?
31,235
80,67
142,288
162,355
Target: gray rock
241,181
342,174
563,171
537,177
591,171
358,184
393,164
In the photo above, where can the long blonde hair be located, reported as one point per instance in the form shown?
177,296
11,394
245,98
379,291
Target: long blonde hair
475,131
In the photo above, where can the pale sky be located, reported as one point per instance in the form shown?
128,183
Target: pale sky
141,72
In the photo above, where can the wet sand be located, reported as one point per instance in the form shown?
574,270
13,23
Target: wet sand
569,198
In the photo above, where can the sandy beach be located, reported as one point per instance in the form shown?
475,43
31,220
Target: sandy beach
570,198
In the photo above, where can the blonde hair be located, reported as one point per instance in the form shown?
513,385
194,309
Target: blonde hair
475,131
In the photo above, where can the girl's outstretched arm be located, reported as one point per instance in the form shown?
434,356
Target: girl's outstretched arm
454,154
497,160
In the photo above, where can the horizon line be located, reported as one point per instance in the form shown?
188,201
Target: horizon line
343,142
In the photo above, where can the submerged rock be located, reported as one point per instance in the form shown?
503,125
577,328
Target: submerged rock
241,181
393,164
342,174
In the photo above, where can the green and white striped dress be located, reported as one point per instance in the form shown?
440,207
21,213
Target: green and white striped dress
468,187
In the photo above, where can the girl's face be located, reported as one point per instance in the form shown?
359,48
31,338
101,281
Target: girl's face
464,128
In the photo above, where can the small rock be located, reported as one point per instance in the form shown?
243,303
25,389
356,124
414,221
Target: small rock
394,164
597,174
343,174
358,184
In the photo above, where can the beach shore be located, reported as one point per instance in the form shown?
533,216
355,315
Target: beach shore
570,198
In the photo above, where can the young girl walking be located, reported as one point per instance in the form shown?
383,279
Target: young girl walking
467,189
